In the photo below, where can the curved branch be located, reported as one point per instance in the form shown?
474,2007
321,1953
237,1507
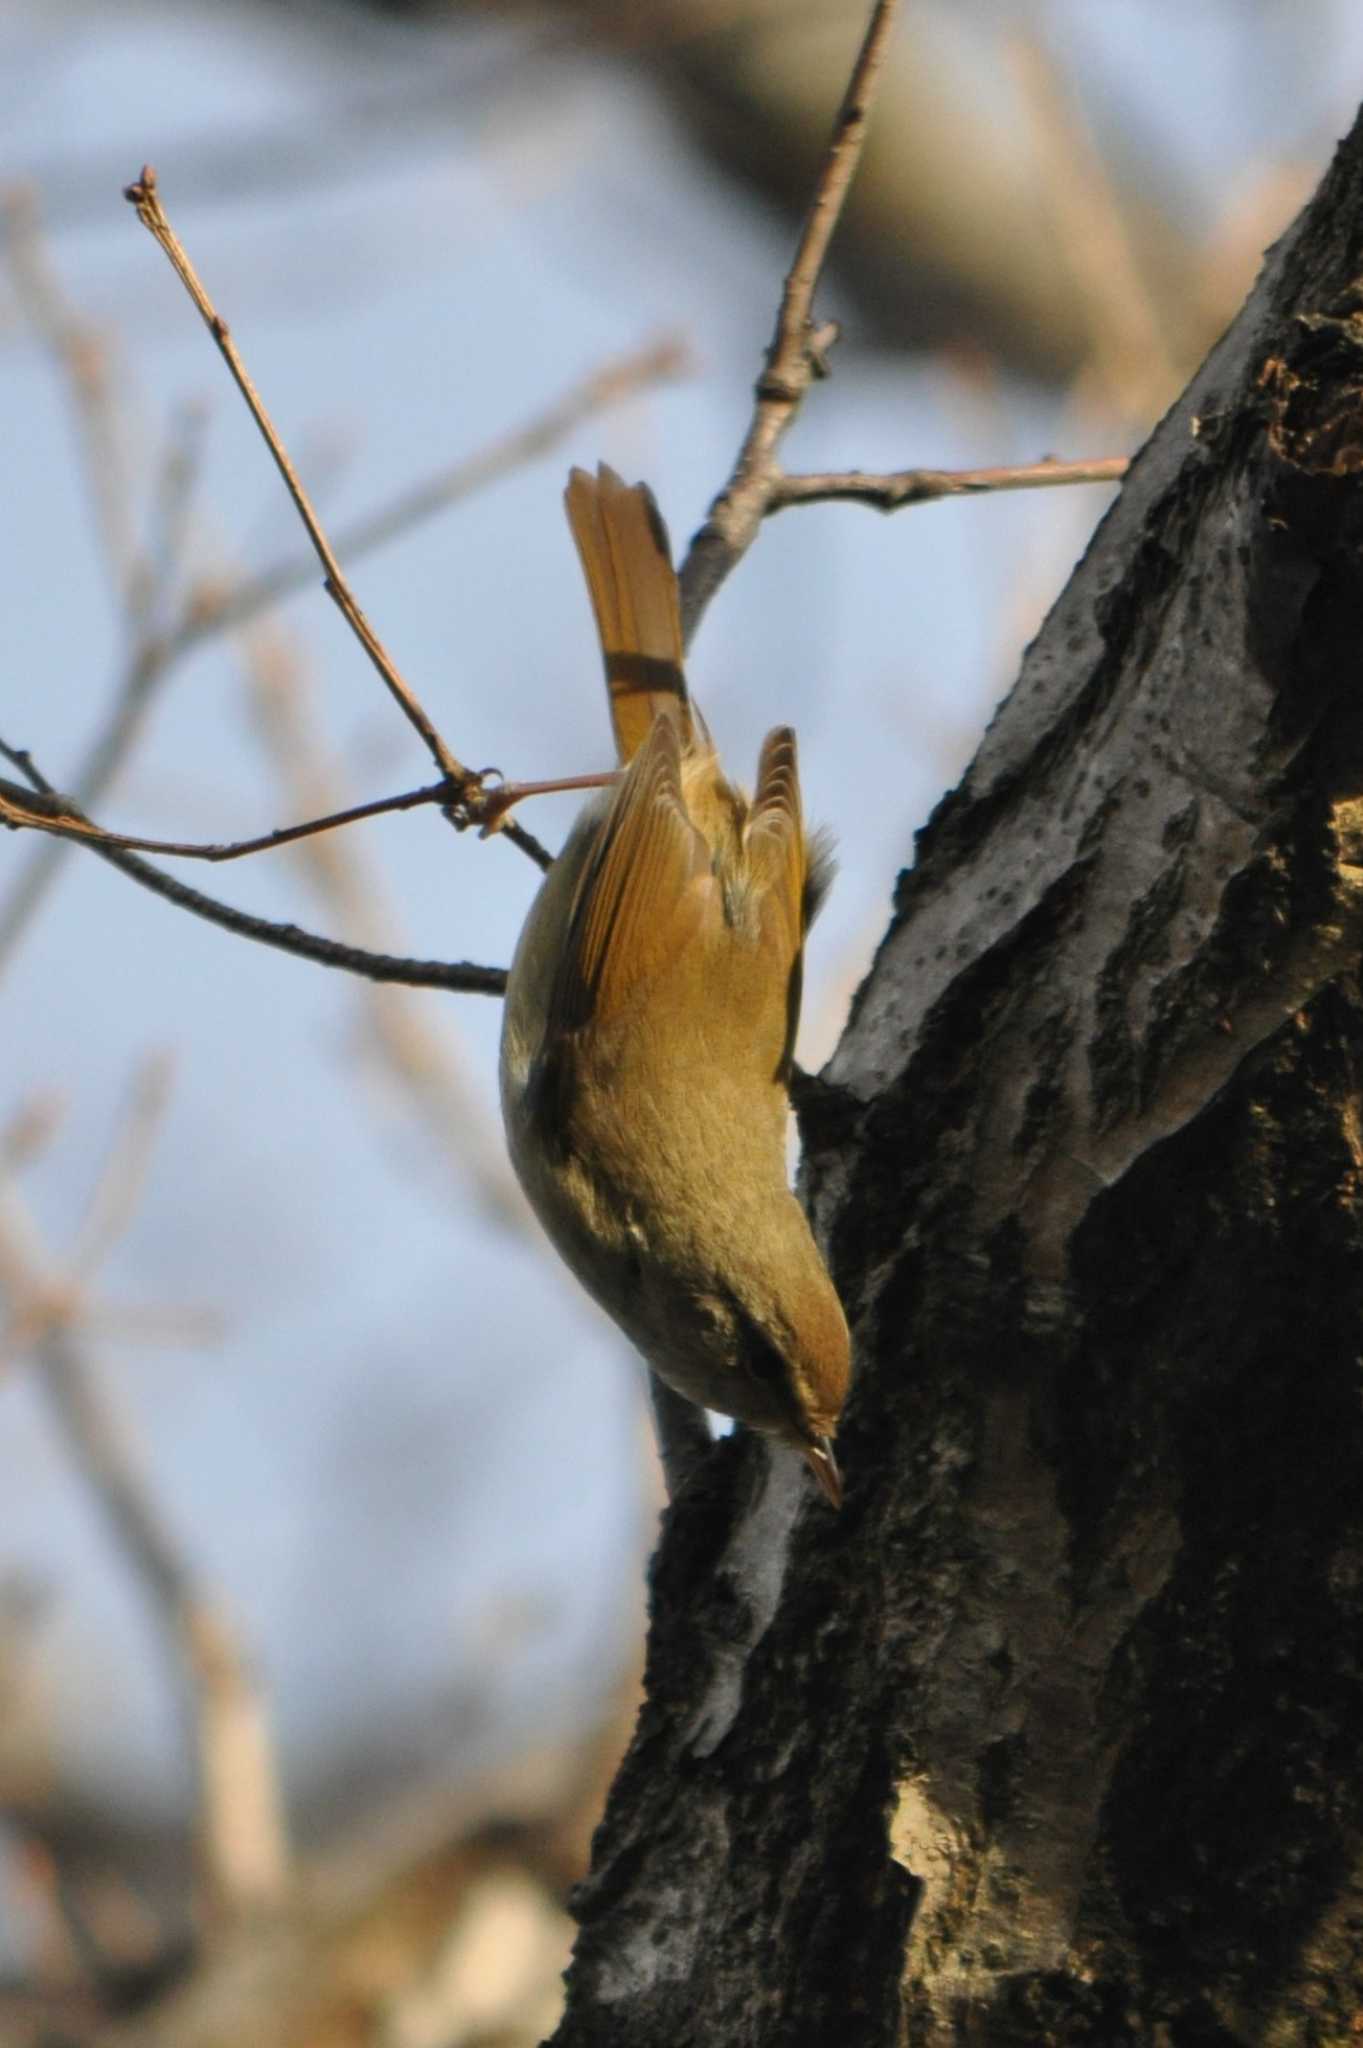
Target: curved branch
464,977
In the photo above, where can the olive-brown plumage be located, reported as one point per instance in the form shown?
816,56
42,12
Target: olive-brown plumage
650,1020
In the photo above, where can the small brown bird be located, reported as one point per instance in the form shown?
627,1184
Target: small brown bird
650,1023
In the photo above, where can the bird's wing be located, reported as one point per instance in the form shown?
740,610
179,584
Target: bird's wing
641,895
788,873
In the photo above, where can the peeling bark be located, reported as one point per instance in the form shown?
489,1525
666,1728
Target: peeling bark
1056,1734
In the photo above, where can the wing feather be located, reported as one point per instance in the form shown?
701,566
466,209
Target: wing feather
789,873
628,914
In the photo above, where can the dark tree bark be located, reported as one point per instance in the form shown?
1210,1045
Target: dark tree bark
1055,1735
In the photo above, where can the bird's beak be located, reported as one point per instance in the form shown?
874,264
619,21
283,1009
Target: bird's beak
821,1462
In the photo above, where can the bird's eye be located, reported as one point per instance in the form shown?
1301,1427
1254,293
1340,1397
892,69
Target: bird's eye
718,1316
763,1360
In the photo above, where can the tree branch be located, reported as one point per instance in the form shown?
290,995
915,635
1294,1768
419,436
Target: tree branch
892,491
463,976
214,608
143,195
40,812
797,350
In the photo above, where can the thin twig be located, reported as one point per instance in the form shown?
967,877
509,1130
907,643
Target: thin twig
891,491
143,195
462,976
797,351
215,608
213,611
21,808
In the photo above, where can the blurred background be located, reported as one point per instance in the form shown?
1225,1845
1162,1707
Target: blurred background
325,1498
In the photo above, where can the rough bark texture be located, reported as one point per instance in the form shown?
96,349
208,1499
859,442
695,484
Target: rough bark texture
1056,1734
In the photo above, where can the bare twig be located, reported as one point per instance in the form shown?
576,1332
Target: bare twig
214,608
214,611
143,195
21,808
462,976
797,350
891,491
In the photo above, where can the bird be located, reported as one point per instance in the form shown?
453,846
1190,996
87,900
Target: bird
649,1027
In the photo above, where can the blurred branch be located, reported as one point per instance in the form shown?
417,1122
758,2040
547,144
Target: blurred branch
83,353
943,236
618,379
365,1954
891,492
143,195
461,976
174,485
240,1820
47,1296
797,351
118,1189
29,1130
419,1056
240,1816
1128,347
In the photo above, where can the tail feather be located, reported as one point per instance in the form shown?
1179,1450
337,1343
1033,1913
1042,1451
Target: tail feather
623,544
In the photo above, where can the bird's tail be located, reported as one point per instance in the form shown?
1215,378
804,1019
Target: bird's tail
623,544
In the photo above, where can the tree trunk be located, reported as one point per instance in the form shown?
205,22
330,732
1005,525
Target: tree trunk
1055,1735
